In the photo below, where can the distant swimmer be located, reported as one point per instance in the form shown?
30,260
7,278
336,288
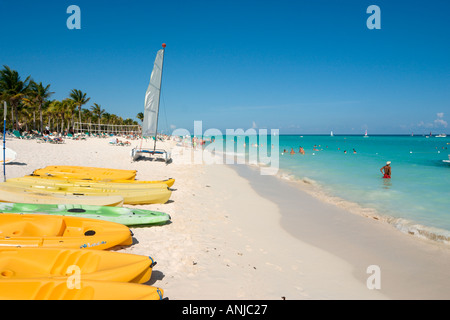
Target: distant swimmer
301,150
292,151
386,170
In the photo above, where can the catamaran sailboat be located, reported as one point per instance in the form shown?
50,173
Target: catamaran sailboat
151,110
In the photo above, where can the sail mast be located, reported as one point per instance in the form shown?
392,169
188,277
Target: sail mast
152,96
159,95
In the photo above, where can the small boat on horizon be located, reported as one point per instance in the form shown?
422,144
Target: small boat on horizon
442,135
365,135
447,161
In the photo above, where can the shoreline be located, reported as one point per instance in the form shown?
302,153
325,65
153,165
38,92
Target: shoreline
318,191
359,241
402,225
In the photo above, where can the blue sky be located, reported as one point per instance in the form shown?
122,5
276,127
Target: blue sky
298,66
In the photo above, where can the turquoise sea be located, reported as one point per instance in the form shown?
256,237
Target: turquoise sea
417,197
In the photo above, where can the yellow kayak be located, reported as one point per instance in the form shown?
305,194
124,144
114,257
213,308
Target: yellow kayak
9,193
50,231
119,183
92,173
55,263
52,289
131,184
169,182
130,196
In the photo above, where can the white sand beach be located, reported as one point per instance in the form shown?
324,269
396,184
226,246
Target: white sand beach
230,238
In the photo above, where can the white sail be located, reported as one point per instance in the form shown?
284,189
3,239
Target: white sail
151,108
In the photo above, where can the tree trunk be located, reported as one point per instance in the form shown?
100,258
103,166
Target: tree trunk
79,117
40,117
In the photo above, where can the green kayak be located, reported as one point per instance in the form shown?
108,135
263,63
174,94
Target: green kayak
126,216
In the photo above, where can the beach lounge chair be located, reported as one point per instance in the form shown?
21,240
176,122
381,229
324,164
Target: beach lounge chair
57,140
17,134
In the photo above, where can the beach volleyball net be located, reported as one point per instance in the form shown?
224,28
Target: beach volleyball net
98,129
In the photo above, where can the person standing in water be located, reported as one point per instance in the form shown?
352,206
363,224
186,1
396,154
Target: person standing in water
386,170
301,150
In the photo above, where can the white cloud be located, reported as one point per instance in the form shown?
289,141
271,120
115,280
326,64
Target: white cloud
425,125
440,121
437,123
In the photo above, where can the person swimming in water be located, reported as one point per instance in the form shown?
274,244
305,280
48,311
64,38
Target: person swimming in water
301,150
386,170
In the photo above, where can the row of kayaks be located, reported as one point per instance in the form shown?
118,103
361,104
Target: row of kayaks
54,244
84,185
59,257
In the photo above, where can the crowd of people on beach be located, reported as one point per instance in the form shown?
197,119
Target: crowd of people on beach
58,137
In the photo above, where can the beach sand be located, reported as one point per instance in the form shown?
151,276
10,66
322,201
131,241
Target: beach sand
238,235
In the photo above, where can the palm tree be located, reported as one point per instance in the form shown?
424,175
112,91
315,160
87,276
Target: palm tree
24,116
86,115
13,89
107,118
97,111
30,105
39,94
140,116
80,99
69,106
52,112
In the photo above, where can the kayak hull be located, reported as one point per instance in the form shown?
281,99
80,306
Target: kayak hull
79,172
55,231
32,263
126,216
21,195
52,289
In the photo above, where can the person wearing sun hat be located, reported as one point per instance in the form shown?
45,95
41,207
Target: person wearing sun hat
386,170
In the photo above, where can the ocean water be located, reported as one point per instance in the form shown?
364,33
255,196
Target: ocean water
417,197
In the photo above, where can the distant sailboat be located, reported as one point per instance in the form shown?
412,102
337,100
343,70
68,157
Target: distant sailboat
331,134
365,135
151,111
